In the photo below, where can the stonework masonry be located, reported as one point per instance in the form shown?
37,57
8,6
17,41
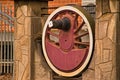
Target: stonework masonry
28,28
29,60
105,64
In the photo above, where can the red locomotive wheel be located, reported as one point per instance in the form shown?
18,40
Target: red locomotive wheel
67,40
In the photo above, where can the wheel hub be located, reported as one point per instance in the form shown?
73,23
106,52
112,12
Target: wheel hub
66,36
66,40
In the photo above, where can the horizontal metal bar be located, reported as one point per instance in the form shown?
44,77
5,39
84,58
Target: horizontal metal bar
6,62
49,8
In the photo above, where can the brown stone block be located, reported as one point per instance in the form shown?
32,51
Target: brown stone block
97,29
106,76
18,53
20,19
98,73
107,43
26,74
16,70
106,17
41,72
111,54
112,28
24,9
21,69
114,5
27,26
19,32
98,51
98,8
18,12
25,44
25,60
103,25
105,6
106,55
17,50
113,74
106,67
88,75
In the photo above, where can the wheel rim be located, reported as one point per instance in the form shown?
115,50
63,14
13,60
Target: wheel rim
68,52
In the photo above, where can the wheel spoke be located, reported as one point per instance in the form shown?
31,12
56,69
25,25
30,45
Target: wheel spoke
56,44
80,25
75,20
76,16
59,16
76,47
82,43
53,34
81,35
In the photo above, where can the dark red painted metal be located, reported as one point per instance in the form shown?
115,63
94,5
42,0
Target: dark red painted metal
65,61
65,56
66,39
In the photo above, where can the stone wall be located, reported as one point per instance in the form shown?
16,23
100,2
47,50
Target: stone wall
105,63
105,53
106,57
29,61
28,27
